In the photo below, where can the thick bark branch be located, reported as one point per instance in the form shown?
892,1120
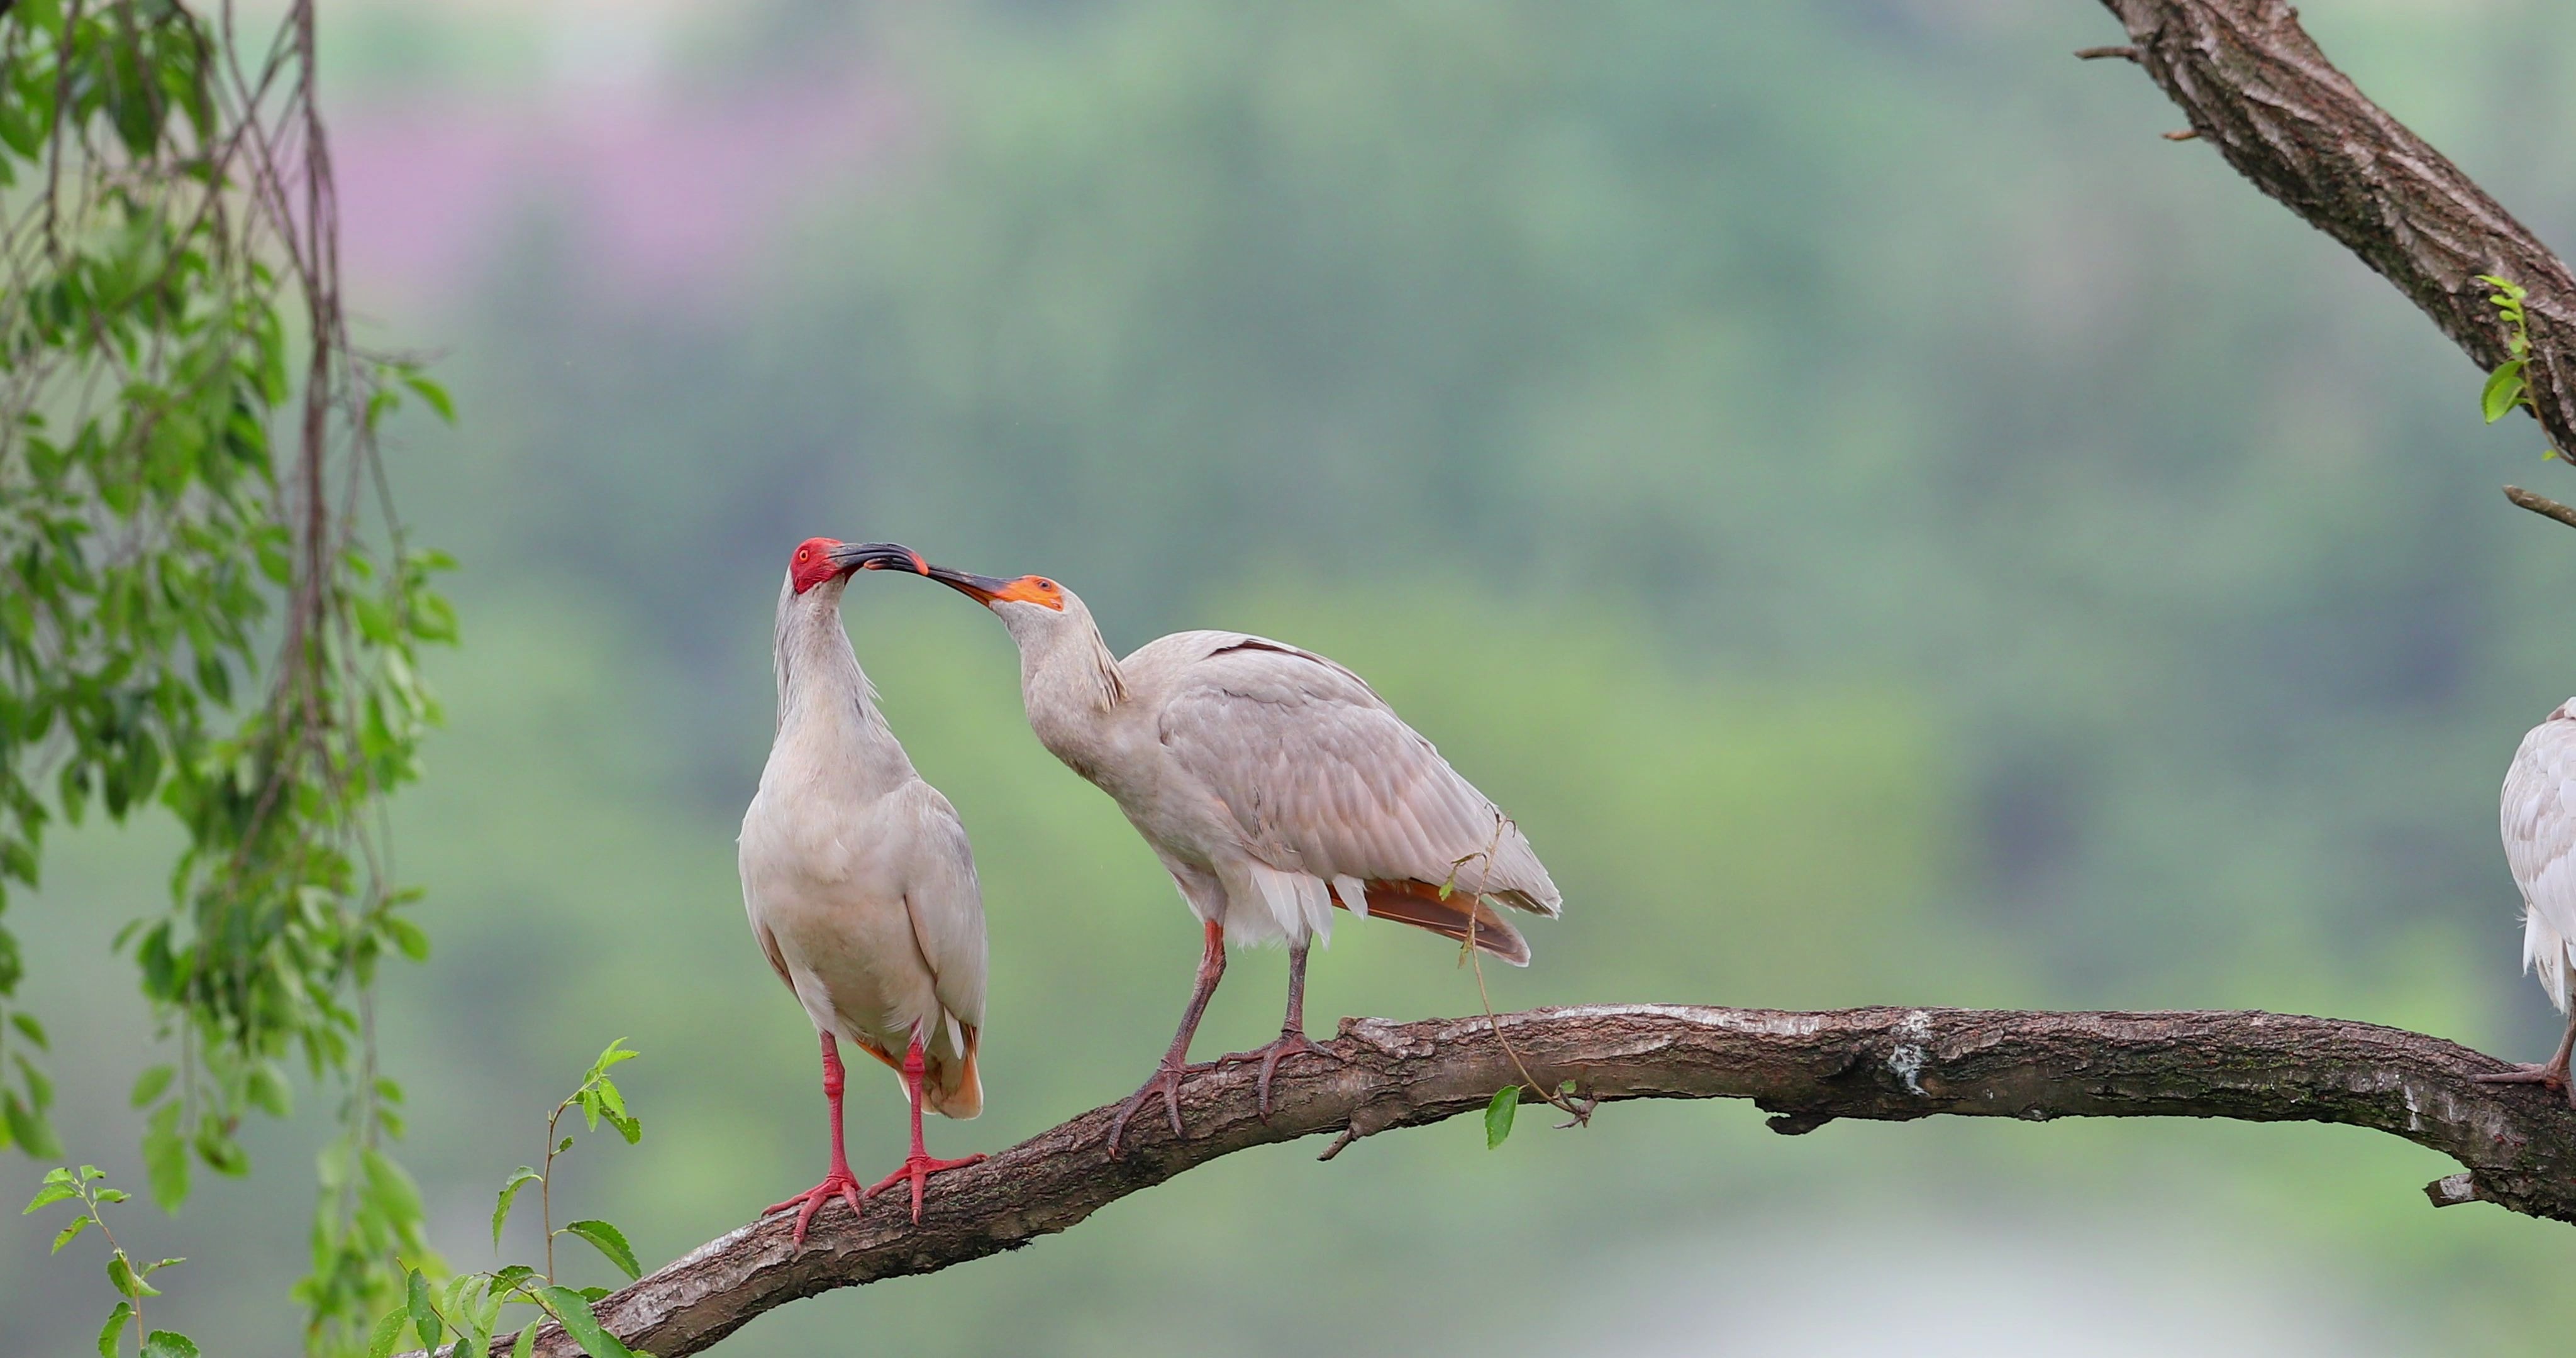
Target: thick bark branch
2516,1142
2255,86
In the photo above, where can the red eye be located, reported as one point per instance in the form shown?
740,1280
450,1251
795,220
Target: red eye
803,552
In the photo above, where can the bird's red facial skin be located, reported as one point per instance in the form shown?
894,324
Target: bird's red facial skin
812,563
1031,589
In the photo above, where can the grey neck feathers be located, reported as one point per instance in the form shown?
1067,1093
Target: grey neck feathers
820,684
1074,666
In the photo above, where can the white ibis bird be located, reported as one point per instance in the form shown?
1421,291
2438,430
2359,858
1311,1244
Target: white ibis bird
1274,785
858,879
2539,821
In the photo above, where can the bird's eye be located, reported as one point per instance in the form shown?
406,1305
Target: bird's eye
1046,584
804,552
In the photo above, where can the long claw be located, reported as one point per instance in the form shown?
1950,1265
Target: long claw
1290,1043
917,1169
1166,1079
811,1201
2552,1076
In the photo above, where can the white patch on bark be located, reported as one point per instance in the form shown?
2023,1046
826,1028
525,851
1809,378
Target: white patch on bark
1908,1058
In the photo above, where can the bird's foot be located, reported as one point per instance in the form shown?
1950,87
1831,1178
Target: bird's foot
917,1167
836,1184
1290,1043
2552,1077
1166,1080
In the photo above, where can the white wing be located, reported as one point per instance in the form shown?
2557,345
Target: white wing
2539,823
947,909
1325,779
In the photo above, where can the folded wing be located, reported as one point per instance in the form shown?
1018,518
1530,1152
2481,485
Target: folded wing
1324,779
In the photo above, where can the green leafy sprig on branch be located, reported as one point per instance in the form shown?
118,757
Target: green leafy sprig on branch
2509,387
132,1280
207,603
472,1306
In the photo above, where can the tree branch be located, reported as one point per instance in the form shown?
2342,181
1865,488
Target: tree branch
2516,1142
2256,87
2541,505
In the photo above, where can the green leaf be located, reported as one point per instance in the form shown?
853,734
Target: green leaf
165,1344
611,1242
115,1329
389,1188
574,1314
1499,1112
165,1158
388,1333
149,1084
267,1090
408,937
519,1178
609,1056
48,1195
72,1232
527,1342
436,395
456,1301
27,1024
122,1274
423,1319
2504,388
28,1127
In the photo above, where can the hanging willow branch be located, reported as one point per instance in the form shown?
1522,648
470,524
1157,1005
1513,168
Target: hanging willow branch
193,514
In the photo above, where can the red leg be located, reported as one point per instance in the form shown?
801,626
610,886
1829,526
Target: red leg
1292,1035
2551,1075
917,1166
1166,1078
837,1182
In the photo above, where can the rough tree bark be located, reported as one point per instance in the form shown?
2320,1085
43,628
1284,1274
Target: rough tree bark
2517,1143
2256,87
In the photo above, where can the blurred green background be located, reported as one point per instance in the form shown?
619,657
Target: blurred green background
1889,526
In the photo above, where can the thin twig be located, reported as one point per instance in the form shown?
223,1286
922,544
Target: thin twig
2541,505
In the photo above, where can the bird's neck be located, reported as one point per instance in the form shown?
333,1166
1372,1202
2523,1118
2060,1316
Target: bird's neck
1071,686
826,706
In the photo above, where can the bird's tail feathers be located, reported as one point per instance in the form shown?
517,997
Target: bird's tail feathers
953,1088
1460,915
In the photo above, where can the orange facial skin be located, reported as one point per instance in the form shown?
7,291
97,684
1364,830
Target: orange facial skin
988,590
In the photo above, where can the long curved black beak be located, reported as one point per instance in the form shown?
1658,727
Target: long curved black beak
980,588
878,556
